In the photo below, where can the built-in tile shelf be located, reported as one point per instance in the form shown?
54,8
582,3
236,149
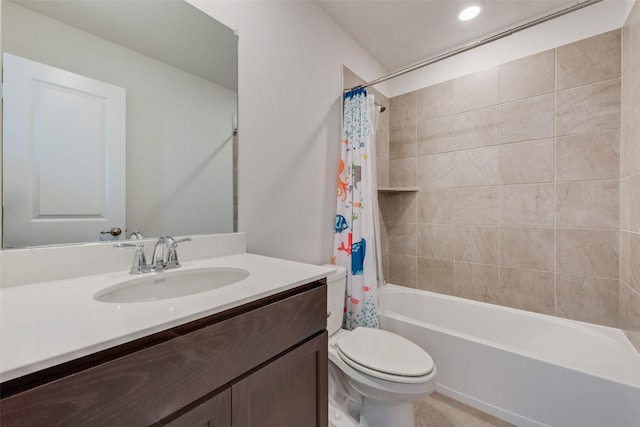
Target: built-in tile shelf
398,189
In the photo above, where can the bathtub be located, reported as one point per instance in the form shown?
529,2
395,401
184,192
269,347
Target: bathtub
526,368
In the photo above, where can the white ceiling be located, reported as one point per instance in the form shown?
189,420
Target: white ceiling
399,33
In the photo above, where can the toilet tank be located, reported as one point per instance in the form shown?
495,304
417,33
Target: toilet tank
336,286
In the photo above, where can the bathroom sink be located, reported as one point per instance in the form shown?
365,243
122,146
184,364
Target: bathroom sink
171,284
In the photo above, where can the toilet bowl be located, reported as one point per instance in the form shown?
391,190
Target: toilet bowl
375,375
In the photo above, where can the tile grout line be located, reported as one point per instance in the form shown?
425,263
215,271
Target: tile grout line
621,208
500,184
621,290
415,134
555,182
455,143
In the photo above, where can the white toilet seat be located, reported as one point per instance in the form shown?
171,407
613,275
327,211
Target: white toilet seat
385,355
380,389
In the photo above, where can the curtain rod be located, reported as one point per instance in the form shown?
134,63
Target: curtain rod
478,43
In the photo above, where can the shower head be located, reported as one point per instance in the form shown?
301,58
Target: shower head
381,107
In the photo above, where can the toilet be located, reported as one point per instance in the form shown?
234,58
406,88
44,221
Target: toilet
375,376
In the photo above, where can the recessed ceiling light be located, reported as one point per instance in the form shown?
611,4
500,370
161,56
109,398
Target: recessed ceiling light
469,13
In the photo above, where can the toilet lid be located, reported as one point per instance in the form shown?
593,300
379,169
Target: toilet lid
384,352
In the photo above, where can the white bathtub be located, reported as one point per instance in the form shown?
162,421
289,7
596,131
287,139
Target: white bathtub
526,368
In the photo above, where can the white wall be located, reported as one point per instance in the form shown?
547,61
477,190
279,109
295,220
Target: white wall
290,85
593,20
179,146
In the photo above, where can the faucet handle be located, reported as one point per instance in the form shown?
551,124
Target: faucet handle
136,235
172,254
139,264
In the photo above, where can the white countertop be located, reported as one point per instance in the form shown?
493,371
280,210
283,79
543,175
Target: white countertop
45,324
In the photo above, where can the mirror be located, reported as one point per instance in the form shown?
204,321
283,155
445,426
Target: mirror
177,67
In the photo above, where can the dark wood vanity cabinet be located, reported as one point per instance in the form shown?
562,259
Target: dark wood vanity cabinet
263,364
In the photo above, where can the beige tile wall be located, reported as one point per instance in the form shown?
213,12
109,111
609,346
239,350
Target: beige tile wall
519,171
630,179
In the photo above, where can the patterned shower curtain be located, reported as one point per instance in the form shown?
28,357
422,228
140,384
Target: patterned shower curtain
354,228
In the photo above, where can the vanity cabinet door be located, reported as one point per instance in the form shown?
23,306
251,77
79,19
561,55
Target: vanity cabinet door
291,391
213,412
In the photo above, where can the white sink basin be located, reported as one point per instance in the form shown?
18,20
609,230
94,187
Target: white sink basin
171,284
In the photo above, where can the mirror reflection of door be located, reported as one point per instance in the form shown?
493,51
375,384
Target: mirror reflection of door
63,155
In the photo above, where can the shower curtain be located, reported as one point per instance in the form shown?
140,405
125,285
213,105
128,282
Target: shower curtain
354,242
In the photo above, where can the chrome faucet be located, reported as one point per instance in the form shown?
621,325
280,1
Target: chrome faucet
165,253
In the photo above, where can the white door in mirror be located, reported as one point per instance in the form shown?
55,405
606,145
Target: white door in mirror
64,149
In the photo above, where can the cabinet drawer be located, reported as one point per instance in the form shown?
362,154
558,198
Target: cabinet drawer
146,386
